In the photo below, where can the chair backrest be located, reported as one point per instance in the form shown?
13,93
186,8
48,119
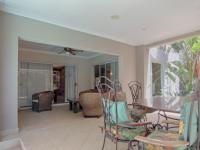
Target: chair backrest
188,127
115,110
136,90
46,96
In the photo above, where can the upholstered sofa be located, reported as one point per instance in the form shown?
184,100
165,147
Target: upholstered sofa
42,101
90,101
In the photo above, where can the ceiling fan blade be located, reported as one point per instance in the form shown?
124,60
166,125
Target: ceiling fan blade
72,52
75,50
61,52
66,49
79,51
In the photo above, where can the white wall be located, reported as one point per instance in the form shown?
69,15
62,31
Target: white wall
103,59
13,27
142,62
83,65
144,72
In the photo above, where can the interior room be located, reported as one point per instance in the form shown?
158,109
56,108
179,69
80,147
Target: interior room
90,75
64,72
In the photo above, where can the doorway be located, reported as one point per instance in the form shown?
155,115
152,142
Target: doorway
59,84
65,83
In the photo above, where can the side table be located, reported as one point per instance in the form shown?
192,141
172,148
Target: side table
74,104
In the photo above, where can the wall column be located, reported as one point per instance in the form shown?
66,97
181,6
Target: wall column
8,78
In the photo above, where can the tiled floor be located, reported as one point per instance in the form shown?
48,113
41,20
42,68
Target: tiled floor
61,129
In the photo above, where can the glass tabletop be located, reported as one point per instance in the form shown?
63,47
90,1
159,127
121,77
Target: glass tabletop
168,104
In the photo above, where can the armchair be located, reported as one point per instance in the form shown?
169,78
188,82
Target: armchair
91,104
42,101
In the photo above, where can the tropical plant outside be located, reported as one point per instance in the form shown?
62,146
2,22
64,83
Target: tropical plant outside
182,68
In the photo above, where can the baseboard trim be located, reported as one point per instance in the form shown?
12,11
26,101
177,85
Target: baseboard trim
25,108
53,105
6,134
12,144
61,104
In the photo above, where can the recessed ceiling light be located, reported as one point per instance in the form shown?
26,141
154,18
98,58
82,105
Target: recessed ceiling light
144,29
115,17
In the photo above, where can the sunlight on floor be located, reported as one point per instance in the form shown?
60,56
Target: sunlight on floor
61,129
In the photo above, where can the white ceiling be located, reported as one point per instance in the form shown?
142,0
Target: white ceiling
50,49
140,21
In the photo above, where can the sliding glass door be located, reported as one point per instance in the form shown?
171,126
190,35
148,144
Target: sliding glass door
33,78
71,83
110,70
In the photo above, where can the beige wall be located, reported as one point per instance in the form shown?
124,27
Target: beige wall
140,66
142,53
103,59
13,27
83,65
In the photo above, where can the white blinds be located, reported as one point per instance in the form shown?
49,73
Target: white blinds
71,86
33,78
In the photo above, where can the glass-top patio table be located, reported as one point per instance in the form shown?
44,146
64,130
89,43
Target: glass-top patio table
167,104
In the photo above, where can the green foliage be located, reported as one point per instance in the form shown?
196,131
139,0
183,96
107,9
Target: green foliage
183,69
194,44
156,68
178,46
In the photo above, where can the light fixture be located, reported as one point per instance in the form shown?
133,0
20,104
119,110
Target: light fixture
115,17
144,28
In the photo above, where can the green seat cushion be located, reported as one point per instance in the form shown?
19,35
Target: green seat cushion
163,135
183,135
121,113
137,114
112,115
125,131
130,133
184,123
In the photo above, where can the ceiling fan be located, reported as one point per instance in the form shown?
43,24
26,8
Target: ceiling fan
67,50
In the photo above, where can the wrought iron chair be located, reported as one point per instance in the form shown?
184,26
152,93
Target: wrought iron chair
170,122
137,112
118,126
187,138
136,90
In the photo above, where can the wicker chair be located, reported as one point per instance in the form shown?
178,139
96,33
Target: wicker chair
42,101
91,104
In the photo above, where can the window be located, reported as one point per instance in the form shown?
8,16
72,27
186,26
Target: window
110,70
164,81
96,71
156,79
171,69
33,78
